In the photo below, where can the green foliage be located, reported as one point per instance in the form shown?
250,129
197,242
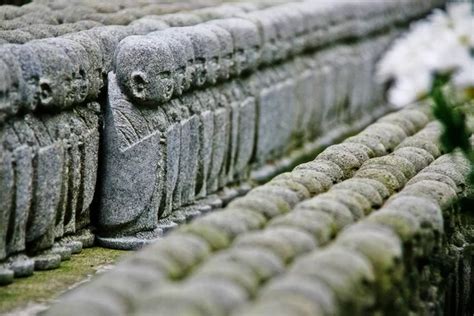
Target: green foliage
456,132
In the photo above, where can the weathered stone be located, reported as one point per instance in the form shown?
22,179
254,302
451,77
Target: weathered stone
304,177
235,272
327,167
21,265
56,82
390,181
358,204
290,197
146,25
96,63
341,214
6,276
449,171
295,285
318,224
285,305
146,80
267,207
285,242
127,156
432,176
80,62
403,223
12,84
420,158
404,165
344,271
370,141
345,160
31,71
183,55
359,186
7,187
293,185
395,118
47,262
181,19
421,143
230,226
245,142
426,211
436,191
246,43
380,246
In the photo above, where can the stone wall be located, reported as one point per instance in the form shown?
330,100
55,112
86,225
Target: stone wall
54,66
135,116
371,226
204,105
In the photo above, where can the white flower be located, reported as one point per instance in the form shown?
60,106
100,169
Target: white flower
408,89
438,45
464,78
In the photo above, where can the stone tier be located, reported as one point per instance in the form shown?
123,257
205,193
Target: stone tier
362,229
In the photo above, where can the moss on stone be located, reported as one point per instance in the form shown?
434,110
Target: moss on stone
45,285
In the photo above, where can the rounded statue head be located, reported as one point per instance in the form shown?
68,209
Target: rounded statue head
147,24
31,71
11,99
94,66
5,83
282,27
57,70
226,50
247,43
296,27
144,67
181,19
206,54
80,62
268,35
181,55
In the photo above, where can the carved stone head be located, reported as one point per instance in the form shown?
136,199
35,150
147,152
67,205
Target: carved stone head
206,53
226,50
144,67
183,54
57,70
80,62
31,71
94,64
247,43
268,35
10,92
5,83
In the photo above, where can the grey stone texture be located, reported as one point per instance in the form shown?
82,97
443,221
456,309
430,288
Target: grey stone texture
191,103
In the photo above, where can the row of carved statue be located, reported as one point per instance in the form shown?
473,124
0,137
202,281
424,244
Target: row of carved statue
206,139
55,73
190,109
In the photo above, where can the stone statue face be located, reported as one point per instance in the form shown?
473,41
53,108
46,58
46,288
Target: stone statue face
180,80
239,62
10,94
30,73
227,63
213,68
189,74
200,72
5,83
145,69
56,81
226,49
269,51
252,57
147,89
